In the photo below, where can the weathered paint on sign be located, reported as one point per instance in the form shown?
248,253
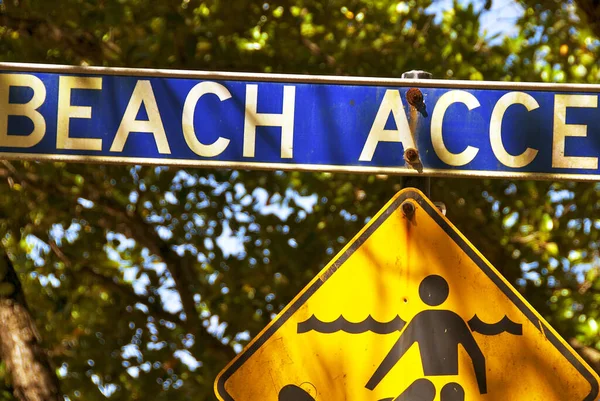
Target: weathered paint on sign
291,122
408,308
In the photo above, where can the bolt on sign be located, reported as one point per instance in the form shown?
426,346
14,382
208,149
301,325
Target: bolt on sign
409,310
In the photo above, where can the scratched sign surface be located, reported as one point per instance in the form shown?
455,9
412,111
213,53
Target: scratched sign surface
409,310
485,129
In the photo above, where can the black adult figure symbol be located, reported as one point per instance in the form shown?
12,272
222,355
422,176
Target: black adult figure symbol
438,333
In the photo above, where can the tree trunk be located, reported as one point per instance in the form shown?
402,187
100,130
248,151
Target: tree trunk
31,375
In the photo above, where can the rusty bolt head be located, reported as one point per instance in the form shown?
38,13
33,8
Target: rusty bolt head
414,96
411,155
408,209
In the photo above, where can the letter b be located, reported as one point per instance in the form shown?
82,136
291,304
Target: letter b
28,110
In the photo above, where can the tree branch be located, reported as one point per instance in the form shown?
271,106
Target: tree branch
114,286
155,309
133,226
81,42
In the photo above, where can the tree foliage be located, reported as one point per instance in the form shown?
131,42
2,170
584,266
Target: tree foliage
145,281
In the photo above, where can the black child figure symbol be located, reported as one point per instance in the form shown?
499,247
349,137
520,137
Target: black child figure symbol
438,333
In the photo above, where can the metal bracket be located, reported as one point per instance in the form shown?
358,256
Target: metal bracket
418,110
414,98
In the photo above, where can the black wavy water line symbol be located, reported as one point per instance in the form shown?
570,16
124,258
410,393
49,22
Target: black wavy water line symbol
505,325
341,324
491,329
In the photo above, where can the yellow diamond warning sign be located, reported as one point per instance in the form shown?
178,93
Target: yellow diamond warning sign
408,311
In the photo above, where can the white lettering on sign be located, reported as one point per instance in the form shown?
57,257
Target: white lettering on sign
189,108
66,111
437,119
142,93
562,130
33,117
28,110
391,103
498,148
285,120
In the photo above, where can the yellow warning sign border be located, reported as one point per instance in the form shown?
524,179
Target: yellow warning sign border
417,196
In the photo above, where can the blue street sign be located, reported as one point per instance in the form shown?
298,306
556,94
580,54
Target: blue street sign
313,123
